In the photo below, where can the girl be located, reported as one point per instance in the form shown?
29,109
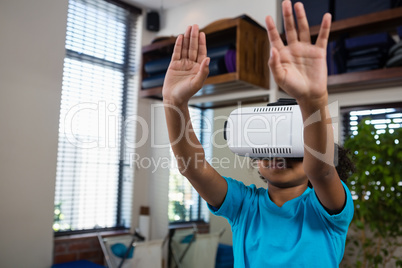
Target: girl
290,224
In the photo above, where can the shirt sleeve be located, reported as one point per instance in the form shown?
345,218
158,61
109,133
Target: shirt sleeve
231,207
340,222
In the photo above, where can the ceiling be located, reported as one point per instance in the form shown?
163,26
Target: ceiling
157,4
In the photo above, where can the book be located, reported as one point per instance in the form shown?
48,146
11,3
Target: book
161,65
368,51
217,66
396,60
331,62
157,66
365,60
230,60
153,81
399,31
340,56
346,9
383,40
395,49
218,52
363,68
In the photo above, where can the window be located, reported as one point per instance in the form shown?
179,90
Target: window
185,204
382,117
99,96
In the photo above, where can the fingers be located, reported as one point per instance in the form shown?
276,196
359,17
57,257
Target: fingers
177,48
290,27
186,43
202,47
322,39
273,35
276,66
302,23
202,74
303,33
193,46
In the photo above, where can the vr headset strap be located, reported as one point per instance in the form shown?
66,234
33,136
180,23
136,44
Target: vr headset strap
283,102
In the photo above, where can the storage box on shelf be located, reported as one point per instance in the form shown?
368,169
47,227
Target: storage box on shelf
386,21
245,62
378,22
344,9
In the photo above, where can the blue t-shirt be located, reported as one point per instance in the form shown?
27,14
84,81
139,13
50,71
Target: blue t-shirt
301,233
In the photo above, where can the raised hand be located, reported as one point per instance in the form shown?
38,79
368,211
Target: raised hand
299,68
188,68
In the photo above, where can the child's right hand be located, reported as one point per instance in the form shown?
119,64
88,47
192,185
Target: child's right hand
188,68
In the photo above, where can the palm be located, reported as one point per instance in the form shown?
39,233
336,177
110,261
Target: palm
305,70
180,77
188,68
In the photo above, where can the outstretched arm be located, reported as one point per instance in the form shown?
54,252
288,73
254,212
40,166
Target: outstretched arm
186,74
300,69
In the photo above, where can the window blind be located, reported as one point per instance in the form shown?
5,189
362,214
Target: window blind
99,95
185,204
383,118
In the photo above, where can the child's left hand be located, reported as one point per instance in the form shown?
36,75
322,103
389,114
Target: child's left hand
300,67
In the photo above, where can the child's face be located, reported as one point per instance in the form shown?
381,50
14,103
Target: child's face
283,172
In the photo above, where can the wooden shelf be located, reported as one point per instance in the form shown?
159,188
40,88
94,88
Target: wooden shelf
168,42
252,51
225,84
212,85
381,21
365,80
386,20
251,66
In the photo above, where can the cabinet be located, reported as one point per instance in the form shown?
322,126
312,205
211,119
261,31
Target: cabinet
387,21
252,52
383,21
251,46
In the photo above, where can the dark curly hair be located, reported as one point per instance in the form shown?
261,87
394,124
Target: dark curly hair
344,167
343,164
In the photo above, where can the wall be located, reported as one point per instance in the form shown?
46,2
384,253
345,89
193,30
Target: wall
82,247
151,183
364,97
31,55
204,12
75,248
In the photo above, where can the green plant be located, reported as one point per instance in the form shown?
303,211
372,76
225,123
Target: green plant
177,210
58,219
376,186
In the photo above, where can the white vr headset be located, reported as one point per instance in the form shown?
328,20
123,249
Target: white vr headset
275,130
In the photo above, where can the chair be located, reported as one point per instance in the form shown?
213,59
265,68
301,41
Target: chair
188,249
130,251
